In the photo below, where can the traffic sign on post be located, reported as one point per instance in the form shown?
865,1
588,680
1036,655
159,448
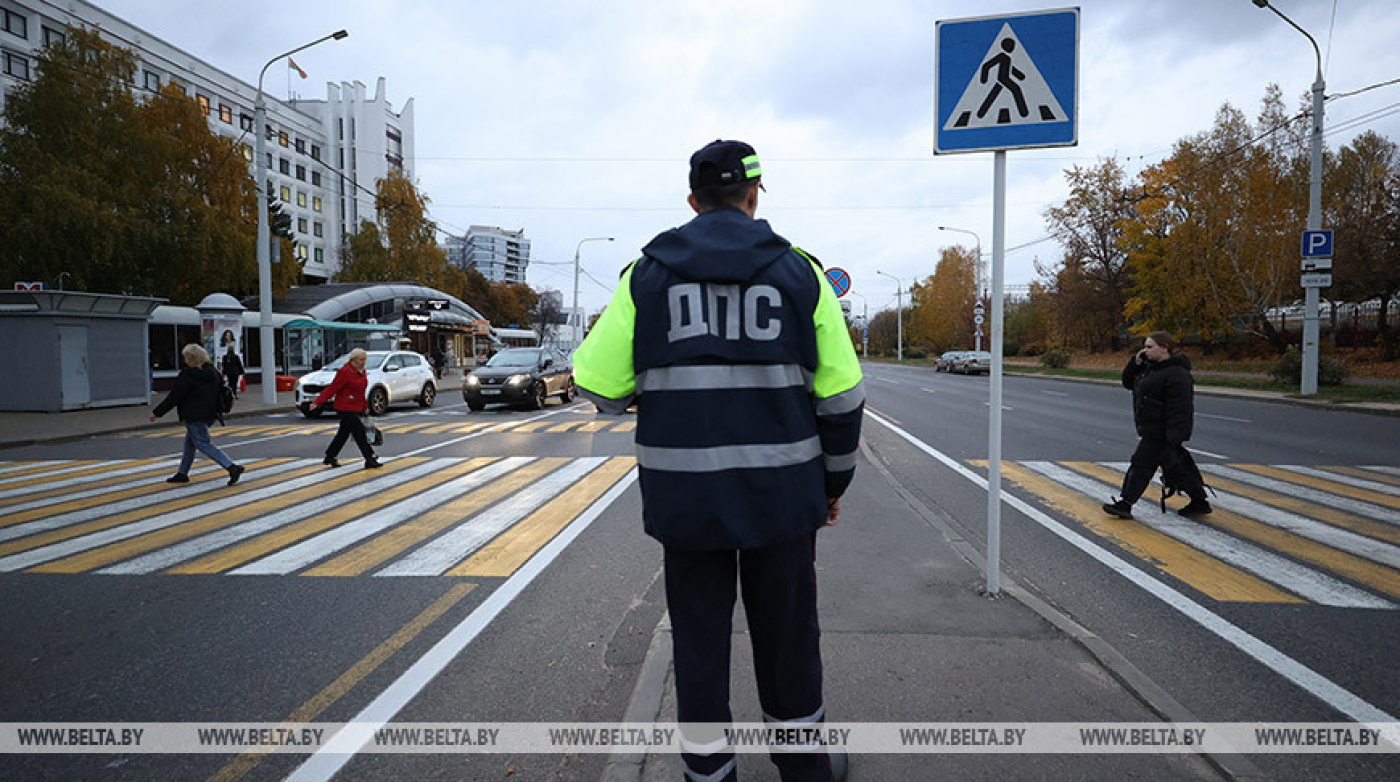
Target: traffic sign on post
1317,280
1007,82
1317,244
839,279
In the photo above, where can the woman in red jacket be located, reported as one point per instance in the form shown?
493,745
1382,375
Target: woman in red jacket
348,391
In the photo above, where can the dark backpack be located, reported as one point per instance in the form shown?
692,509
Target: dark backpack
225,400
1180,474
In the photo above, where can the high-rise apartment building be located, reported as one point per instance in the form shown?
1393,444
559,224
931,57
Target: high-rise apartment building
323,157
500,255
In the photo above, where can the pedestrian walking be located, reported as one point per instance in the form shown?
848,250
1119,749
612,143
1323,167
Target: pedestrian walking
195,397
233,369
1163,412
348,391
732,344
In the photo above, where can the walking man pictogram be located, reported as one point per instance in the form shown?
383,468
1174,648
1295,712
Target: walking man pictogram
1007,74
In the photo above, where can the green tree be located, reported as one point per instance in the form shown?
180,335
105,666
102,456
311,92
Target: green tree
940,315
400,244
1363,206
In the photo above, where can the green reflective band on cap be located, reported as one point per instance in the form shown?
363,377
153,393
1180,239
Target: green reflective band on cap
751,167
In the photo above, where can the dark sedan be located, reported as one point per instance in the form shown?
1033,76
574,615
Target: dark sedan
519,376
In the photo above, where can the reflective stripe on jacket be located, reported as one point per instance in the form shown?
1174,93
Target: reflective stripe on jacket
749,391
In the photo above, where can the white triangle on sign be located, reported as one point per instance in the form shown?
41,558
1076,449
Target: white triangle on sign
1006,90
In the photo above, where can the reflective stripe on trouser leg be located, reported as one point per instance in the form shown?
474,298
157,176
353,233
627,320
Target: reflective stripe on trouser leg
700,591
779,586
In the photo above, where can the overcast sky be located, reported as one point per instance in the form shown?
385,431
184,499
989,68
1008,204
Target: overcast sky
576,119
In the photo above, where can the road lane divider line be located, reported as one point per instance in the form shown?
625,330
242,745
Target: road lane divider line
1329,486
1188,564
160,535
1379,487
1284,488
323,765
1320,687
1212,535
317,705
373,553
447,550
509,551
1325,514
50,503
324,535
365,496
70,533
1207,454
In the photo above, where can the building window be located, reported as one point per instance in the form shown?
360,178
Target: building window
301,252
245,121
301,198
247,152
315,152
316,204
282,137
283,166
268,164
225,114
320,255
301,225
16,66
14,24
301,173
316,228
316,178
52,36
340,159
340,128
151,81
286,194
203,101
301,146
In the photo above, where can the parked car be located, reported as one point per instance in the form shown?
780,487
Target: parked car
944,363
519,376
393,376
973,362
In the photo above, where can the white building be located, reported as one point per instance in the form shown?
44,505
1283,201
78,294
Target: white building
324,156
500,255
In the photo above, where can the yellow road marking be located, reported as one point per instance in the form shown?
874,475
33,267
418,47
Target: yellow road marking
593,426
529,426
625,426
891,418
54,492
511,549
1337,518
176,502
268,542
42,468
1332,487
1357,472
102,499
1363,571
402,428
40,480
1207,574
141,544
443,428
566,427
399,539
307,712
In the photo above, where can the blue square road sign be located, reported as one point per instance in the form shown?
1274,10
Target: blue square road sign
1317,244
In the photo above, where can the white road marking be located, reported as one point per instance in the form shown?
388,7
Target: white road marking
98,491
61,471
1053,393
1311,681
1298,579
13,466
1360,483
1206,453
1224,418
323,765
1359,507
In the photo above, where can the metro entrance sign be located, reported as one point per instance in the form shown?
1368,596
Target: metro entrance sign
1007,82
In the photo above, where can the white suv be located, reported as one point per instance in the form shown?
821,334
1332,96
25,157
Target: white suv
393,375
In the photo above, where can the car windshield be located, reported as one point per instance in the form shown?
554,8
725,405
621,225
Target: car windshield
520,357
372,361
983,356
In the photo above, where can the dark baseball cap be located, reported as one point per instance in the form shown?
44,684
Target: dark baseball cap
723,163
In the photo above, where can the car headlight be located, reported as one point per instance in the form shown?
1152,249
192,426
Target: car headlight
472,381
516,380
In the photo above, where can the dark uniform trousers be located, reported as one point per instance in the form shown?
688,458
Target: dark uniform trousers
779,587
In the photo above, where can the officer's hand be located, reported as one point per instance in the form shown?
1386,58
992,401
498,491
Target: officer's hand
833,511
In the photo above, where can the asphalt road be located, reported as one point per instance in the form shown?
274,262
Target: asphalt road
1344,634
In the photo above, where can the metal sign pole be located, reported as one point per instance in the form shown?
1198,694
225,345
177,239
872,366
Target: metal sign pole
994,430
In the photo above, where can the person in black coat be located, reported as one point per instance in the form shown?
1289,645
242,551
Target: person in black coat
195,396
1163,412
233,368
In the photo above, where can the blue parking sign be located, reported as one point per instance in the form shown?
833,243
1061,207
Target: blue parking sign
1007,82
1317,244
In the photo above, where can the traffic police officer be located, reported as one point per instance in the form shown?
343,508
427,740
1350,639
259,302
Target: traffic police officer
732,344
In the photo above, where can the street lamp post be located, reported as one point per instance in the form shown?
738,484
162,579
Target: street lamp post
577,316
864,326
979,283
1310,307
898,314
265,358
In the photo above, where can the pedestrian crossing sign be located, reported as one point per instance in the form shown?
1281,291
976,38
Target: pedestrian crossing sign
1007,82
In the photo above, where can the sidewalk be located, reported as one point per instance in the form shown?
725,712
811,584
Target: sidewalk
907,636
19,429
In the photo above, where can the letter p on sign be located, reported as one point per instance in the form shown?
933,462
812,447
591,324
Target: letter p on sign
1317,244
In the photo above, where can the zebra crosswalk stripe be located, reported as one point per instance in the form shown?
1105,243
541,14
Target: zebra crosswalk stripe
1369,510
1378,487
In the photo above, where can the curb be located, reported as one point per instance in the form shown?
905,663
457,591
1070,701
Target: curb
645,703
68,438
